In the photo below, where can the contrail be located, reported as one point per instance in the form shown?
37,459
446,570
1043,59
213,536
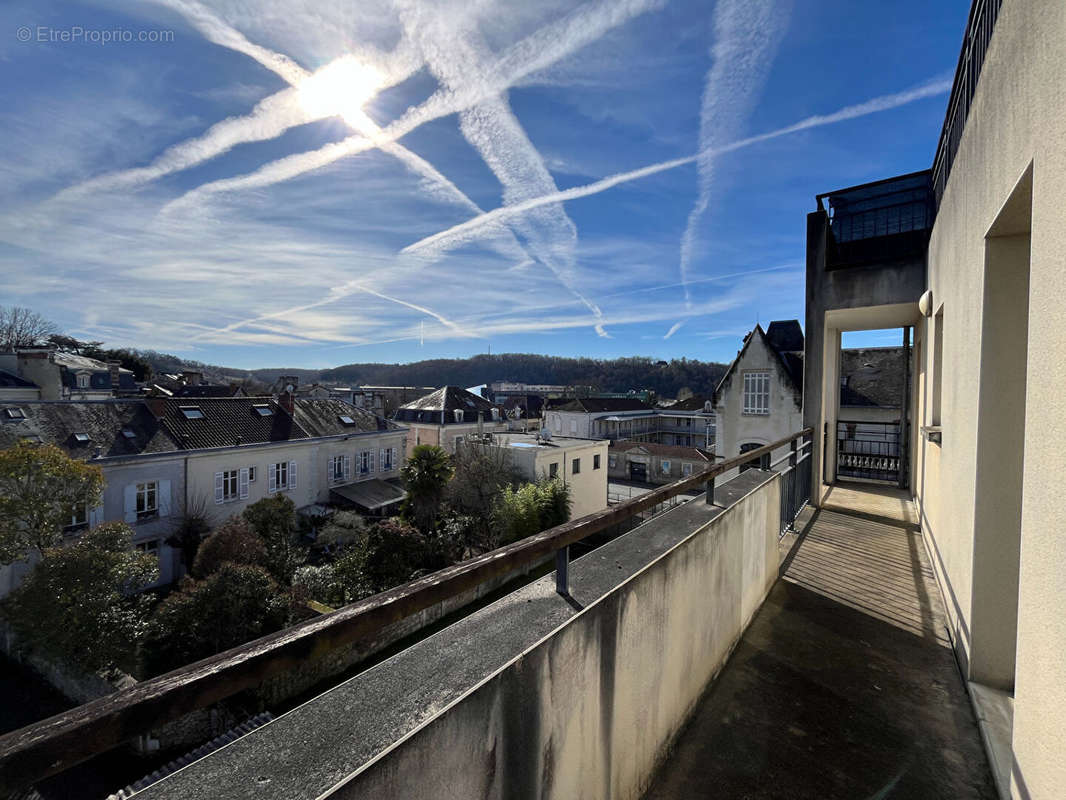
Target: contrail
463,230
673,329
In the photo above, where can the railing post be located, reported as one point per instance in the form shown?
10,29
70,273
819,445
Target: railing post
710,491
562,571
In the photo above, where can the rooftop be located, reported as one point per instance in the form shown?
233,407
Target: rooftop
597,405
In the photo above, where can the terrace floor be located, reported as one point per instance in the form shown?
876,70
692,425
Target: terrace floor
844,685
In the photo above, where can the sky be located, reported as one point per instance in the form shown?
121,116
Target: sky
293,183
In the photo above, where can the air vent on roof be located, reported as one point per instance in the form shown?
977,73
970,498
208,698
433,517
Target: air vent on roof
15,413
128,433
345,419
81,438
192,412
263,410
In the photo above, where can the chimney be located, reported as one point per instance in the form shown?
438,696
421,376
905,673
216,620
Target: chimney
157,405
190,378
287,400
116,375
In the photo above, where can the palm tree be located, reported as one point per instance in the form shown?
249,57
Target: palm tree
425,476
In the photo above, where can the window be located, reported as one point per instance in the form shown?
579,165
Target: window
83,380
388,459
281,476
756,393
686,470
340,468
147,500
79,518
366,462
128,433
251,474
231,485
15,413
151,547
346,420
263,410
665,467
553,469
596,461
575,466
612,461
762,462
191,412
81,438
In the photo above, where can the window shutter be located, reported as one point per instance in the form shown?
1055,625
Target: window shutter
129,497
164,498
371,462
381,459
272,478
218,487
347,467
292,475
393,458
242,482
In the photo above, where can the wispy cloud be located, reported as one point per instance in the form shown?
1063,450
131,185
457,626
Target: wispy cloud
673,329
463,231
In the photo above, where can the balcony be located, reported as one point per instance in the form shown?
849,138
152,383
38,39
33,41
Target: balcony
579,683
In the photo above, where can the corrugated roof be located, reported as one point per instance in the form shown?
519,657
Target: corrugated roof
372,494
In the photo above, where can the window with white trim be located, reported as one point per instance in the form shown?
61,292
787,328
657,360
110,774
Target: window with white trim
388,459
83,380
756,392
612,461
282,476
366,462
251,474
79,518
665,466
229,485
686,469
340,468
147,500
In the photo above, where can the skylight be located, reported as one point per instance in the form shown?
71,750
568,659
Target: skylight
15,413
128,433
192,412
81,438
346,419
263,410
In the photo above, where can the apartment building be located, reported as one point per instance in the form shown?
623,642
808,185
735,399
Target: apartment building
450,415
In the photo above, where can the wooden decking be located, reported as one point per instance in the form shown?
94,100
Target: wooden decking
844,684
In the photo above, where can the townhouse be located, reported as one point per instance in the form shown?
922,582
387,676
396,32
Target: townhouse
449,416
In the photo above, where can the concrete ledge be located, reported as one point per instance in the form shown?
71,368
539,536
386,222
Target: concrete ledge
994,710
536,694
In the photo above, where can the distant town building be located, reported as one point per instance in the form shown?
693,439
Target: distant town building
448,416
67,376
649,462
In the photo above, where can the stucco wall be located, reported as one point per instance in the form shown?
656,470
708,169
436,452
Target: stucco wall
590,710
1018,118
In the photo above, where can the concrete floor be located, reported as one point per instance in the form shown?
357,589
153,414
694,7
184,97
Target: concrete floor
844,685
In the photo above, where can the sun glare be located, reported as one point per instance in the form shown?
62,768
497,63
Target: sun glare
340,89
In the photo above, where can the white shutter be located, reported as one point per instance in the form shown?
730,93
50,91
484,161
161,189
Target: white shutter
347,467
272,478
164,498
381,459
219,495
292,475
242,482
129,497
393,457
371,462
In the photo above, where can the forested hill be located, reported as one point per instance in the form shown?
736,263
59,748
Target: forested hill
615,375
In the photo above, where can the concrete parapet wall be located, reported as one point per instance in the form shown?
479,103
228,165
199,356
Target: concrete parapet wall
591,709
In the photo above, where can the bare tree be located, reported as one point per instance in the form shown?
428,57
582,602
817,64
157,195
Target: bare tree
23,327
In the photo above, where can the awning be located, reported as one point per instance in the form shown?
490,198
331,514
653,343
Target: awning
371,495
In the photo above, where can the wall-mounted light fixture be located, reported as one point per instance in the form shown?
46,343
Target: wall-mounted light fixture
925,303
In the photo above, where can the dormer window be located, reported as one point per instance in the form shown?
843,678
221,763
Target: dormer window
263,410
14,413
346,420
192,412
83,380
81,438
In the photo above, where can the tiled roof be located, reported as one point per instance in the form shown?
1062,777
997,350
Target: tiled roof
102,421
871,377
322,417
667,450
785,335
228,421
600,404
694,403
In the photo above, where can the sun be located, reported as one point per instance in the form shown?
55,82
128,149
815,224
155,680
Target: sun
340,89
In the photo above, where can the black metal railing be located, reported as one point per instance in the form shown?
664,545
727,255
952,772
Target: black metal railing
869,450
979,27
795,481
55,744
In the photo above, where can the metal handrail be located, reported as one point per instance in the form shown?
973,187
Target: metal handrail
55,744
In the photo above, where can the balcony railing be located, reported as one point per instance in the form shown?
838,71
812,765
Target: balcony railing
58,743
979,27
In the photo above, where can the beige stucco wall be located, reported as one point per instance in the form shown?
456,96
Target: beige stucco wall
1018,118
588,489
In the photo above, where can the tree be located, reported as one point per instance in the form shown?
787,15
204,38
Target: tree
531,509
40,487
233,605
21,327
233,542
425,476
190,529
481,473
395,552
274,520
80,604
344,529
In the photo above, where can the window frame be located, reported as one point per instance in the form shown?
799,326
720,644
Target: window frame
755,399
143,492
575,466
595,460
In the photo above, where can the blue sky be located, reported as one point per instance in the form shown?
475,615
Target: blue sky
309,184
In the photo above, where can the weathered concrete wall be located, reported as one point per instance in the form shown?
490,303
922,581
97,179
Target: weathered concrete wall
589,711
1017,120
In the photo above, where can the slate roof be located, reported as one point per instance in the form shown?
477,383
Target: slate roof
594,405
322,417
872,377
102,420
785,334
694,403
447,399
100,379
206,390
664,450
10,381
227,422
